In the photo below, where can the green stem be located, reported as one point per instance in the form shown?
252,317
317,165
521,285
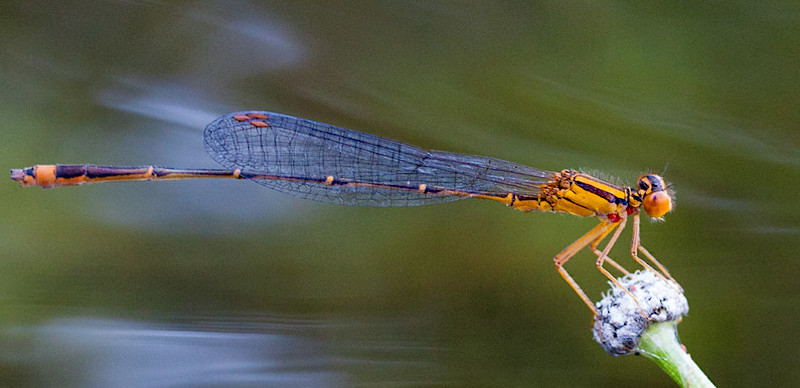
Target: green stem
660,344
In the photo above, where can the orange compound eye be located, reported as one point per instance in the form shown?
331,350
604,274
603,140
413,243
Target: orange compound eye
656,204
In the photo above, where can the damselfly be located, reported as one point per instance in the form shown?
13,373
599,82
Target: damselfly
325,163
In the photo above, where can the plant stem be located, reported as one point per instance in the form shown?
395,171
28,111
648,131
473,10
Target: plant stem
660,344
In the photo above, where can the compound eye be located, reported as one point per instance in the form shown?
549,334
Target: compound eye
657,204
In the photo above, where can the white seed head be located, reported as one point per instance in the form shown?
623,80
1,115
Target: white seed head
620,324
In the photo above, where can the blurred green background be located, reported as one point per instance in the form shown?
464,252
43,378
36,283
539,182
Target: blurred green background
221,284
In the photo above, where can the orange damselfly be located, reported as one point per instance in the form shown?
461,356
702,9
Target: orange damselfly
325,163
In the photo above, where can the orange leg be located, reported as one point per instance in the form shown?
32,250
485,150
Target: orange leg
604,256
608,259
599,231
636,245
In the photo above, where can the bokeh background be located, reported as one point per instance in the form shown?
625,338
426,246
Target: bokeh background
228,284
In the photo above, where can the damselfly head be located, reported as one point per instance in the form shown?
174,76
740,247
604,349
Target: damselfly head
656,198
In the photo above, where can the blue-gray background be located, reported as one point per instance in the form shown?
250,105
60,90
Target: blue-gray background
226,283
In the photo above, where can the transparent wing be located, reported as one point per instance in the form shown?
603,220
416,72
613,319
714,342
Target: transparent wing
299,157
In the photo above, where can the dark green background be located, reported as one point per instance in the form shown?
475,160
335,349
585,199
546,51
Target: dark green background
455,294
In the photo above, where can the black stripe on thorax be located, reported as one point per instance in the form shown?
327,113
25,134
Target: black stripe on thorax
603,194
575,203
